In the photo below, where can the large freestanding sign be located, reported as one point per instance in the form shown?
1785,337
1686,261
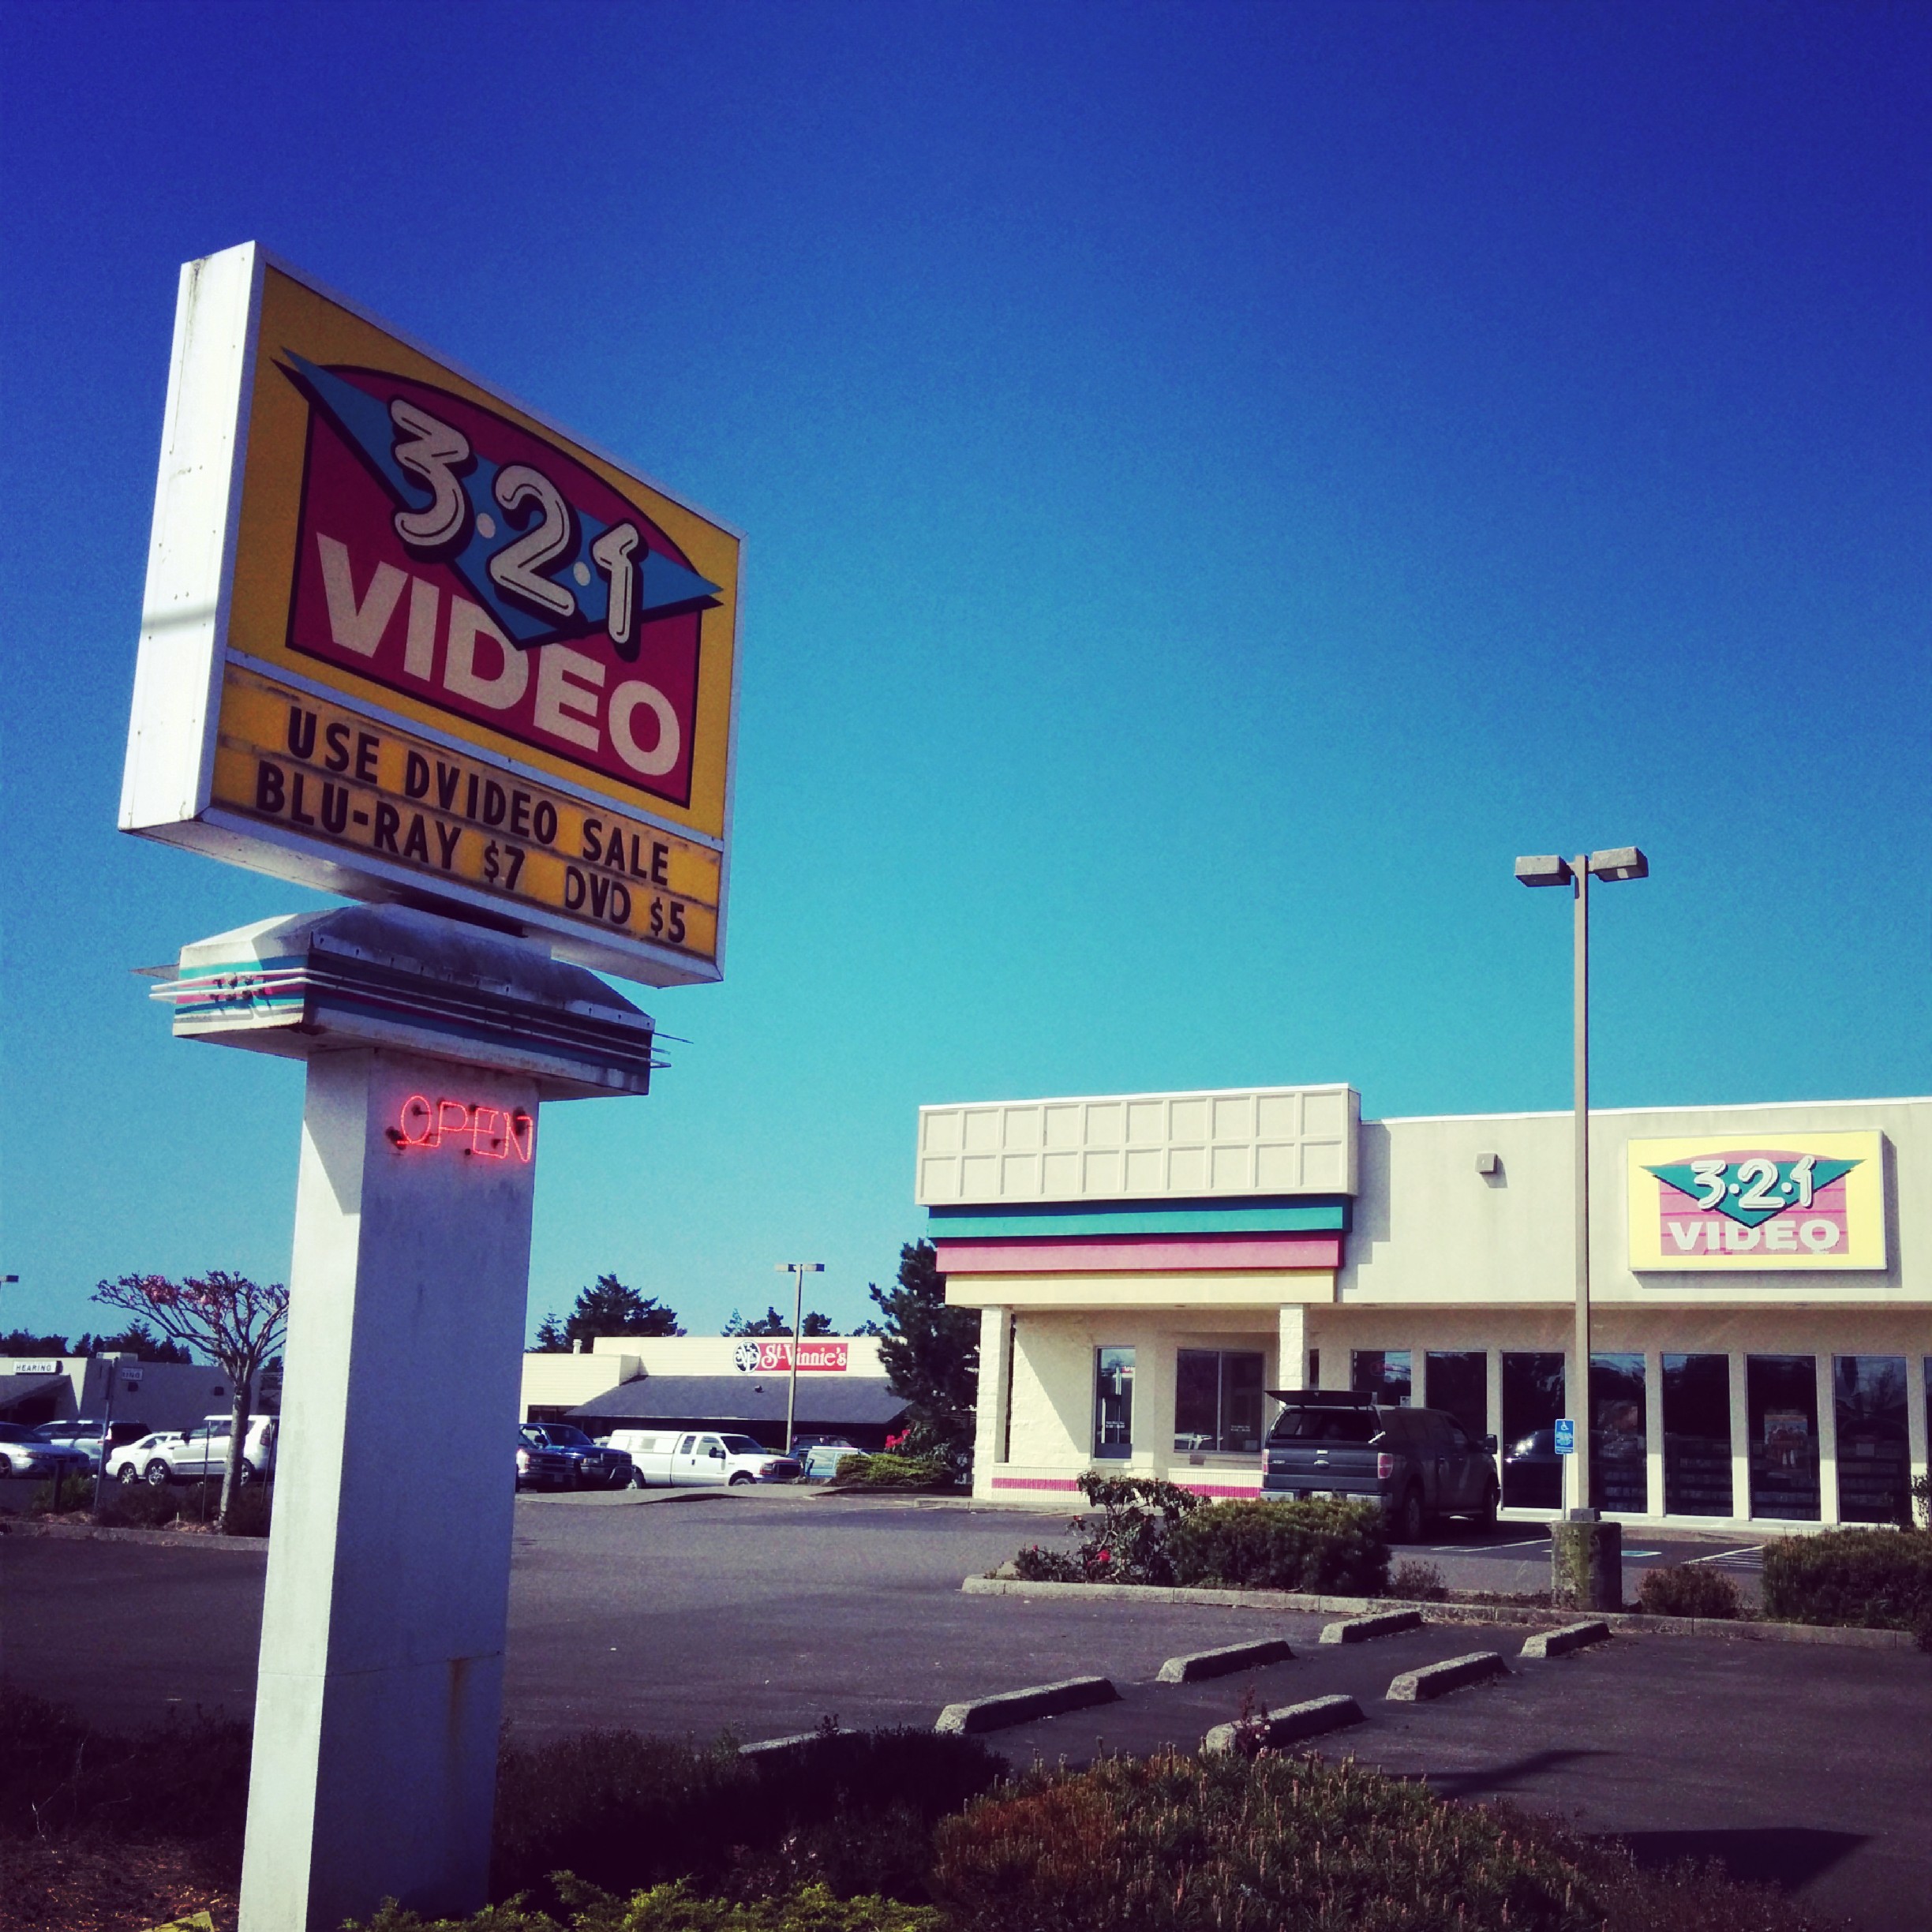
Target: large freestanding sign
405,641
1781,1202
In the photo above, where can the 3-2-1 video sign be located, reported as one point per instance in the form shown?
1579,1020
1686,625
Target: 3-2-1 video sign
412,561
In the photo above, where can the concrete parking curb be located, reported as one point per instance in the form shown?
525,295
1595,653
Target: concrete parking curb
1360,1630
1432,1680
170,1539
1562,1642
1218,1663
784,1747
1017,1707
1283,1726
1620,1621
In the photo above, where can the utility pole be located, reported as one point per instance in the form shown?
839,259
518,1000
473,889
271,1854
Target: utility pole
801,1269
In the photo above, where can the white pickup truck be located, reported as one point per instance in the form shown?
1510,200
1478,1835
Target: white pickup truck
670,1460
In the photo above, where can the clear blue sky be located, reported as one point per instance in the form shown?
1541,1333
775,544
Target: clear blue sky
1220,481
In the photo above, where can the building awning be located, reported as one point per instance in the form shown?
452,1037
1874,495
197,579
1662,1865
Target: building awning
833,1400
18,1388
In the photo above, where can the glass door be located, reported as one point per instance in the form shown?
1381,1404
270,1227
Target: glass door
1113,1370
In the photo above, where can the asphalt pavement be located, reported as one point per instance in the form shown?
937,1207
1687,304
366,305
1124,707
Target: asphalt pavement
760,1614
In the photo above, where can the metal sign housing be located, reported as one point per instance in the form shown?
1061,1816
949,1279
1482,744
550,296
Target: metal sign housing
405,640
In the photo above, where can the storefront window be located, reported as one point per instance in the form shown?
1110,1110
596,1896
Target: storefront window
1383,1373
1619,1474
1458,1381
1533,1398
1113,1370
1780,1392
1218,1402
1875,1451
1697,1436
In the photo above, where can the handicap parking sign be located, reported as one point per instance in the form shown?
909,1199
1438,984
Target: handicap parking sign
1566,1435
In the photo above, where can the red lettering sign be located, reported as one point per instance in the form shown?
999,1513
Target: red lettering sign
490,1132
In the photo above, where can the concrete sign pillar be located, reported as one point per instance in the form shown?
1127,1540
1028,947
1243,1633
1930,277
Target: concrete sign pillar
430,1046
380,1686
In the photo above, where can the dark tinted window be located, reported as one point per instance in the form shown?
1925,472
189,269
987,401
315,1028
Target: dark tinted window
1344,1425
561,1436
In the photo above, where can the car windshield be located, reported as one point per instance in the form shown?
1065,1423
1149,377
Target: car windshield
561,1436
1342,1425
11,1431
742,1445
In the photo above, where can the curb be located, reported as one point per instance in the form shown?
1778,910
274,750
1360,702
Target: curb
1620,1621
1228,1657
1418,1686
163,1539
1359,1630
1562,1642
784,1747
1283,1726
1018,1707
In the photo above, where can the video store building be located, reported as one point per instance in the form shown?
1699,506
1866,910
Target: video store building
1147,1265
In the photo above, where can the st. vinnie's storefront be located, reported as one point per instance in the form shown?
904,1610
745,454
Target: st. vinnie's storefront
1147,1266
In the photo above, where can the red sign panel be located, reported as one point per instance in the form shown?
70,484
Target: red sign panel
763,1357
515,610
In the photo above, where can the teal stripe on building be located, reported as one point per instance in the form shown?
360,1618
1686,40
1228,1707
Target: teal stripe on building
1298,1217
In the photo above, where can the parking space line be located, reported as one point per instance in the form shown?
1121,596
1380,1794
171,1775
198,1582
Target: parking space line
1750,1549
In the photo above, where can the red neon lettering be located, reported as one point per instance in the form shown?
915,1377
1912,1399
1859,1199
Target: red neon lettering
490,1131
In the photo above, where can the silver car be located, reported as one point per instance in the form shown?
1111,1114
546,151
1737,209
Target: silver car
23,1453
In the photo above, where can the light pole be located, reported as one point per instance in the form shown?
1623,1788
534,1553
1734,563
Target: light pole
1622,862
801,1269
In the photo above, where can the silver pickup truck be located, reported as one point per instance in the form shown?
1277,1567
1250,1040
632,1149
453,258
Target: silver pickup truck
1416,1462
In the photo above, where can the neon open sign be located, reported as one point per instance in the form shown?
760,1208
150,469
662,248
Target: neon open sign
493,1134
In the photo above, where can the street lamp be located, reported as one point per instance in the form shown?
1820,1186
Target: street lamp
1622,862
801,1269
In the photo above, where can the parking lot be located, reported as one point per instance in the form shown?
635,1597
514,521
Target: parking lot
762,1613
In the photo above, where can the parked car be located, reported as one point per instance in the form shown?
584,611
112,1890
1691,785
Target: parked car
202,1450
539,1468
819,1456
129,1464
87,1434
696,1457
23,1453
593,1464
1416,1462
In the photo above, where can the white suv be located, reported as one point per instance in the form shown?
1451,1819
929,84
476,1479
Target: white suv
202,1451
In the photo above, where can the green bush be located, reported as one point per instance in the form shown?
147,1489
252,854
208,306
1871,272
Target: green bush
676,1908
138,1505
1872,1579
1331,1548
1418,1583
852,1810
60,1495
58,1775
895,1472
1689,1590
1038,1564
1173,1843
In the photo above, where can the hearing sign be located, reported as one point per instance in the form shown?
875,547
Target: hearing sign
405,641
1776,1202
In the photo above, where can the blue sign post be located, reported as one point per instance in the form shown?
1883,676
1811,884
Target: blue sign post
1566,1435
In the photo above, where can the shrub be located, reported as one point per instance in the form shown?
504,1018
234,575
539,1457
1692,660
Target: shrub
852,1809
885,1471
1038,1564
676,1908
1875,1579
1335,1548
59,1495
59,1775
1689,1590
1418,1582
138,1505
1284,1844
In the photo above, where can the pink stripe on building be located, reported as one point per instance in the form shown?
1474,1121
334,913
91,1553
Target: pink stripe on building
1128,1254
